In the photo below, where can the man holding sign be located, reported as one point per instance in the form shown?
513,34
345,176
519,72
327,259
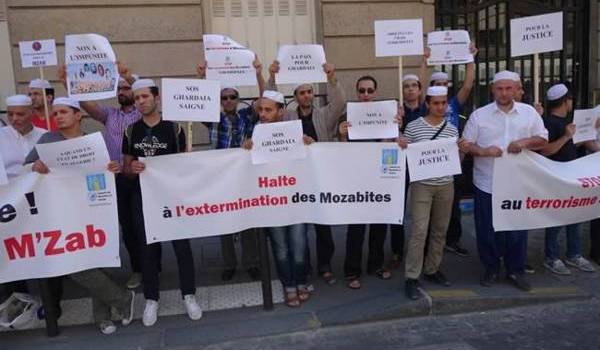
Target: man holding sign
36,92
501,126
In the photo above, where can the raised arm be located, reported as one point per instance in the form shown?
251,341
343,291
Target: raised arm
467,86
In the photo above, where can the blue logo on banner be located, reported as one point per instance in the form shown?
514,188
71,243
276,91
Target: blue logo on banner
389,156
96,182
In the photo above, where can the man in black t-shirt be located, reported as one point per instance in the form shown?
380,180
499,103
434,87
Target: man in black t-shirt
149,137
561,148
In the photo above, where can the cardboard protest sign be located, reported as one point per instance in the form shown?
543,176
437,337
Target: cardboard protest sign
399,37
92,72
585,124
274,142
299,64
38,53
449,47
88,153
431,159
192,100
536,34
372,120
228,62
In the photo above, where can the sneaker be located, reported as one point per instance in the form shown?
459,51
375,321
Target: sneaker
437,278
411,289
456,249
520,282
529,269
134,281
194,310
107,327
128,316
489,279
150,313
581,263
557,266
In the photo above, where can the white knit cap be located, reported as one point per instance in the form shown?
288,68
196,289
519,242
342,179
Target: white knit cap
18,101
556,91
437,91
506,75
40,84
439,76
274,95
230,86
143,83
66,101
410,77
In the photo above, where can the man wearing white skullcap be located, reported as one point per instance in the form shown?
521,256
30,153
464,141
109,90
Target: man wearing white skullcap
36,92
149,137
516,127
430,200
562,149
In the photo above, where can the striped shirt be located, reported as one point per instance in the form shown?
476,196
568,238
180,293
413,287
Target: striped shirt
116,121
420,130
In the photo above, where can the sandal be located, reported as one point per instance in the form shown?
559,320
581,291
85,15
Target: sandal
291,300
383,274
303,294
329,278
354,282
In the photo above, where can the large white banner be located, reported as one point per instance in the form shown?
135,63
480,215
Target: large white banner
92,72
399,37
299,64
449,47
56,224
228,62
191,100
530,191
372,120
536,34
431,159
220,192
38,53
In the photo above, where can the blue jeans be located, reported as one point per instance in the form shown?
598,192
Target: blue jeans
289,244
573,241
492,245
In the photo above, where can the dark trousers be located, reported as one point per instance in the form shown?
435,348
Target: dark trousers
455,227
151,256
397,239
325,248
595,240
354,248
125,188
491,245
249,241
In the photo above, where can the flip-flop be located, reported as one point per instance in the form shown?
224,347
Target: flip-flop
291,301
354,284
329,278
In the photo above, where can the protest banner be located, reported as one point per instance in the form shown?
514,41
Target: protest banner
430,159
399,38
3,175
337,183
372,120
530,191
92,72
273,142
228,62
449,47
534,35
301,64
585,124
87,153
57,224
191,100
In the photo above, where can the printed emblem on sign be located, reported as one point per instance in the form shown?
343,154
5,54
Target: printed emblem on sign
389,162
36,46
96,182
97,192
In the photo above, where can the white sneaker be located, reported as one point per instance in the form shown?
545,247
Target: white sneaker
107,327
194,310
581,263
134,281
150,313
557,267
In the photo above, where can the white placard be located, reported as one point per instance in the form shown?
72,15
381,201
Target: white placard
3,176
92,72
191,100
536,34
228,62
449,47
372,120
57,224
38,53
300,64
274,142
337,183
399,37
585,124
431,159
87,153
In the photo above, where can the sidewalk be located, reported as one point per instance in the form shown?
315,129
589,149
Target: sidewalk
330,305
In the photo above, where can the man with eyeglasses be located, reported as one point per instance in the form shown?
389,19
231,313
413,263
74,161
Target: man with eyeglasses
115,121
320,123
235,125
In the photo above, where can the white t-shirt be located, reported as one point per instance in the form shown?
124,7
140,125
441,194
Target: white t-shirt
490,126
15,147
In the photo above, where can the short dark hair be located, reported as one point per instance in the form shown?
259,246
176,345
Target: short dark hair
49,91
154,90
365,78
